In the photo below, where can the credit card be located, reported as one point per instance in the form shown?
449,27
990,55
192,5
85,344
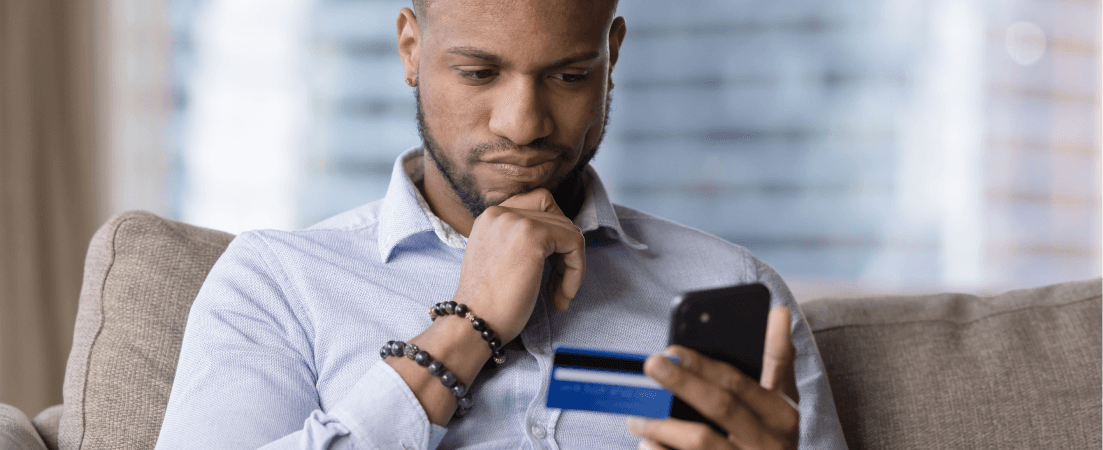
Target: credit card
611,382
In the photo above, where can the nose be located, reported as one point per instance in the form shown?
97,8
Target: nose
520,114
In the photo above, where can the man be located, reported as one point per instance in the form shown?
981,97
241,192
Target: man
498,210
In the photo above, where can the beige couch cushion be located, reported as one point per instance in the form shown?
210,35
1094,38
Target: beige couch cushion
16,430
141,275
1020,370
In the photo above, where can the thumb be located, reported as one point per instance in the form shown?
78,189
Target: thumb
777,358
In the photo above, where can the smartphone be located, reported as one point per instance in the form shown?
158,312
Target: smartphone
726,324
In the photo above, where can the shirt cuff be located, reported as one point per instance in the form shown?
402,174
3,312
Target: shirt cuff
382,412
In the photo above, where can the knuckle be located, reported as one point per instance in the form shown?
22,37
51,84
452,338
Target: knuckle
493,211
544,195
580,241
722,405
526,225
735,383
490,215
791,420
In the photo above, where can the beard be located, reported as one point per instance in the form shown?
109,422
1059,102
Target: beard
567,191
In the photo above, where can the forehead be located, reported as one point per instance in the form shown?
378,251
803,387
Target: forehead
520,28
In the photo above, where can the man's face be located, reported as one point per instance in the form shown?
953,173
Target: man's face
512,95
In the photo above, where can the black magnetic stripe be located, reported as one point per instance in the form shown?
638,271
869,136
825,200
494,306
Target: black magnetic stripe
598,362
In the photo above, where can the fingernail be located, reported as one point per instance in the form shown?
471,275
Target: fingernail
674,359
636,424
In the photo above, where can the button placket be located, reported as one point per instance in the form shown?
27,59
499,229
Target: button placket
536,338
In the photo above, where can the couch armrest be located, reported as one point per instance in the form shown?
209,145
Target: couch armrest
46,423
16,431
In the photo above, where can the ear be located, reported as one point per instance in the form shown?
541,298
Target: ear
616,37
409,41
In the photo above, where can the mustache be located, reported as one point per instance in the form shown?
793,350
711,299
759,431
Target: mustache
505,145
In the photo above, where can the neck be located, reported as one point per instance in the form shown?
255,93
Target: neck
571,193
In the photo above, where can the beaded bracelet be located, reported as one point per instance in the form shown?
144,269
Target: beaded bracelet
460,309
436,369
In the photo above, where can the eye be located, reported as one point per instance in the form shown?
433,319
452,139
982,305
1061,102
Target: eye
571,77
478,75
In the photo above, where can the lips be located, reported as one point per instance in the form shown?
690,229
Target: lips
527,169
525,160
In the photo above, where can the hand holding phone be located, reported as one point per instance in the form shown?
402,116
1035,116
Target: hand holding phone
726,324
741,411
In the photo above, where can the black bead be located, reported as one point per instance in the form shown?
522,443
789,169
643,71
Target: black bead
397,348
460,412
495,344
461,310
448,379
500,352
479,324
436,368
438,311
459,390
466,402
422,358
488,335
449,307
385,351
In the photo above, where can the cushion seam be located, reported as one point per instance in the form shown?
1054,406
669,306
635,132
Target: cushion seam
99,330
907,322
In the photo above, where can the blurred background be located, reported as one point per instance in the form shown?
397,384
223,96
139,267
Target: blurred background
860,147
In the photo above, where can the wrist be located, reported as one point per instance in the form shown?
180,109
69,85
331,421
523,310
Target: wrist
453,338
459,348
495,314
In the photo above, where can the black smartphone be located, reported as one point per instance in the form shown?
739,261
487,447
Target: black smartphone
726,324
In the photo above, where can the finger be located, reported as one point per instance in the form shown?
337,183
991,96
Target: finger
772,410
538,199
549,217
778,373
710,399
569,269
648,444
675,433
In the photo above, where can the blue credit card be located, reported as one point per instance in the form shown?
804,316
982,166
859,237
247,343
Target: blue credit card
595,380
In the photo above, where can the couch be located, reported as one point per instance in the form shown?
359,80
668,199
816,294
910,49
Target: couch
1018,370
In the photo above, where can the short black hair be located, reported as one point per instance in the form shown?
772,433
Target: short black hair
421,5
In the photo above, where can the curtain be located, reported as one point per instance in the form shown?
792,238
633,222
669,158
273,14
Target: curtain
49,201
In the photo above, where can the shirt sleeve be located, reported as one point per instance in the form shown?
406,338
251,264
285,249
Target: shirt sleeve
819,421
246,377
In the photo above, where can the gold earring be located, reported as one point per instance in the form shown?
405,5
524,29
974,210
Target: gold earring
410,82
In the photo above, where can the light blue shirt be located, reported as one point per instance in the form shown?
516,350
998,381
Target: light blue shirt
281,349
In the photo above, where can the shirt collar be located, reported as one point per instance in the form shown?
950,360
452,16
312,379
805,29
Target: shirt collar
405,213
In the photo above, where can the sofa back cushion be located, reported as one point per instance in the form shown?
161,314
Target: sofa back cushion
1019,370
141,275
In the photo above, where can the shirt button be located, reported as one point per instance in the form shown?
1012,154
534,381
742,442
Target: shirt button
538,432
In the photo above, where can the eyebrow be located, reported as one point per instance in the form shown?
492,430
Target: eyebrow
473,52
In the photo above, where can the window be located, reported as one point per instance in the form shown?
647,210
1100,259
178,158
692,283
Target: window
855,145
